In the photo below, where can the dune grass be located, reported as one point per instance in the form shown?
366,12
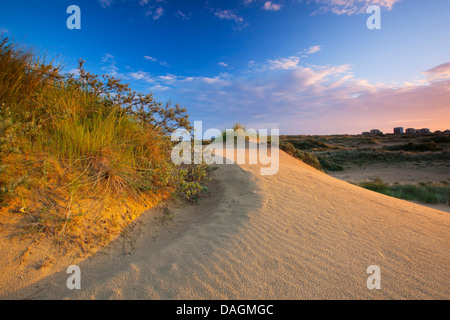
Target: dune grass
432,193
82,155
302,155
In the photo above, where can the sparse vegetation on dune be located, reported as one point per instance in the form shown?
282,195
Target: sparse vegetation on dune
82,156
368,156
413,147
432,193
302,155
335,153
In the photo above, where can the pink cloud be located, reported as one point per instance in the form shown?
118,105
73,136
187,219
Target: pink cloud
269,6
441,72
312,99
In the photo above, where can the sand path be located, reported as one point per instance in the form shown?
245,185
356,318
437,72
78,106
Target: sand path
299,234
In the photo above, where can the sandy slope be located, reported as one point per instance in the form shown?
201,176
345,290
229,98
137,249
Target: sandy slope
297,235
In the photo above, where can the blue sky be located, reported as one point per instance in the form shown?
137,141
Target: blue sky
305,67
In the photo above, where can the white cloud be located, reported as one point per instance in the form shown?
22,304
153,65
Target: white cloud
268,5
284,63
141,75
313,49
168,77
350,7
289,63
150,58
159,88
228,15
223,64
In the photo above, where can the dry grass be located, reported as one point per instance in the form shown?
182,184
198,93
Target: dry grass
81,157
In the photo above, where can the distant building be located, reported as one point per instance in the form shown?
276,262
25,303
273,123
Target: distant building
398,130
410,130
424,131
375,132
366,133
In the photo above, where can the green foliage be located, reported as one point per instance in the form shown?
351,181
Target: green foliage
329,165
312,144
304,156
411,146
424,192
438,139
306,149
7,146
373,155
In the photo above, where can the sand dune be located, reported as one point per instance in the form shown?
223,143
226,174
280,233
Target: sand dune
300,234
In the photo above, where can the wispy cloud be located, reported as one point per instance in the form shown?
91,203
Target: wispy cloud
3,30
269,6
155,13
285,63
350,7
141,75
149,58
109,65
299,97
439,73
292,62
105,3
223,64
159,12
182,15
159,88
313,99
313,49
229,15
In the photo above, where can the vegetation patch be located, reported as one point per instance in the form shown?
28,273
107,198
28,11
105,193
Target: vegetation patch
82,155
415,147
304,156
433,193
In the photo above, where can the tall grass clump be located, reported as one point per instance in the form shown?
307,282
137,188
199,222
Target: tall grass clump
305,156
236,126
82,155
